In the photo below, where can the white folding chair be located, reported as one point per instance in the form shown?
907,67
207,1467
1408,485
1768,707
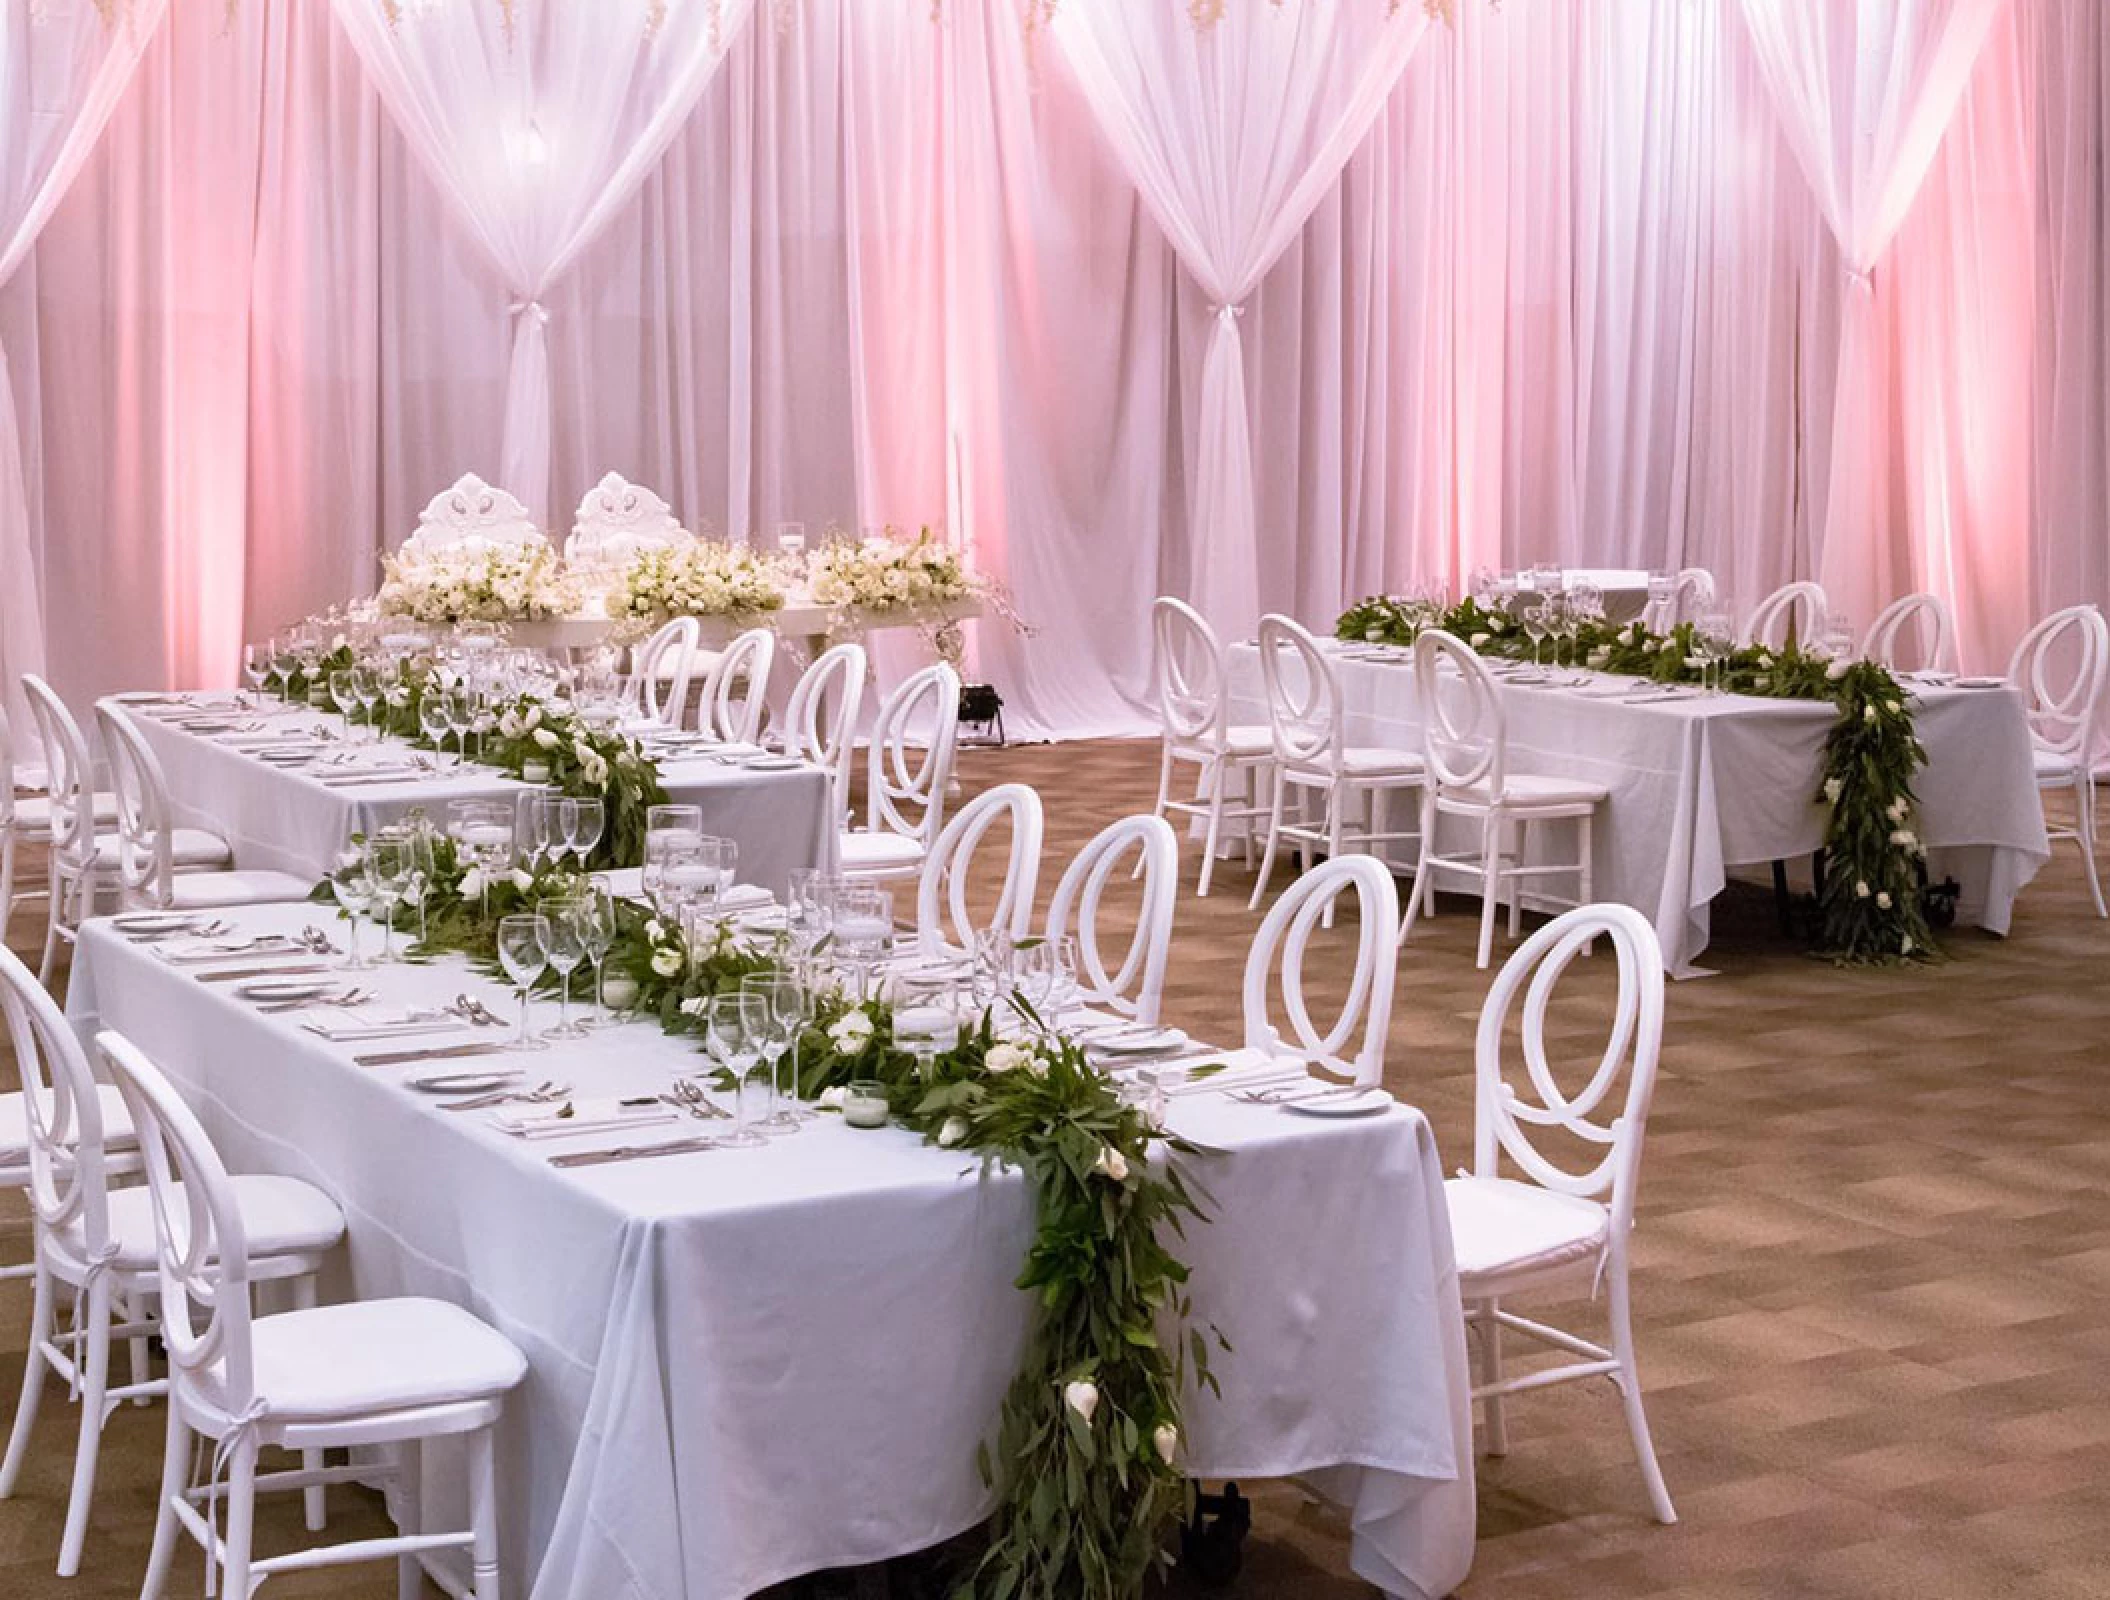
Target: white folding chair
905,789
1925,617
1465,749
1552,1227
159,865
820,720
730,707
1274,969
98,1242
2061,667
373,1373
1691,595
662,668
1136,988
1794,610
946,922
1353,784
1195,727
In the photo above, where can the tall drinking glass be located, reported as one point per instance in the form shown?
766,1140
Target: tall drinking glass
863,926
523,950
732,1036
567,916
388,869
355,893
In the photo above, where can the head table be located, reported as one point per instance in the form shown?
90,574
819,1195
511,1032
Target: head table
748,1364
298,820
1700,783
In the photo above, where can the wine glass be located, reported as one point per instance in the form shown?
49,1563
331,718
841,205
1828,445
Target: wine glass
432,720
523,950
781,1012
355,893
597,927
732,1035
808,908
388,869
483,831
344,694
926,1030
666,829
461,717
531,823
790,992
585,820
565,946
371,691
256,667
995,969
863,925
1538,618
1715,635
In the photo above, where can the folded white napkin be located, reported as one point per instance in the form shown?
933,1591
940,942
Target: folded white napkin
588,1115
196,954
352,1029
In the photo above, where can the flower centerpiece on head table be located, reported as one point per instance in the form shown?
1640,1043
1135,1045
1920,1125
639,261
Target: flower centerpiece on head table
696,578
889,579
476,556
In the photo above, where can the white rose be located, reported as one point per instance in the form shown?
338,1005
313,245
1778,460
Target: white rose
1838,669
1861,889
1082,1397
509,725
1893,708
532,719
399,697
546,740
953,1132
1904,838
655,930
832,1099
1006,1058
523,880
666,962
851,1033
1112,1164
1905,945
1883,901
1765,659
1832,790
1868,712
1166,1441
472,886
1479,640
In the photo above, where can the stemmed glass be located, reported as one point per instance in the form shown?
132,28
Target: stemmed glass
256,669
344,694
432,720
597,927
461,717
1714,635
732,1035
809,908
585,820
995,966
483,832
523,950
532,827
789,993
388,868
355,893
565,945
783,1007
863,925
1537,617
668,829
371,690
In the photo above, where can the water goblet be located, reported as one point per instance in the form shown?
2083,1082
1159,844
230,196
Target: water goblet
809,908
597,927
256,667
432,720
1715,635
585,820
732,1029
388,869
372,690
355,894
567,916
344,694
782,1010
863,925
1538,620
532,816
523,950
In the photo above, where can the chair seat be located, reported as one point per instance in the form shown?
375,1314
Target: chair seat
281,1216
200,891
14,1125
1366,762
190,847
33,812
1502,1228
1249,741
2053,767
1524,790
371,1356
879,852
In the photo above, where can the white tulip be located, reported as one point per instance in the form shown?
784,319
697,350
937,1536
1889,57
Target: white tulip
1861,888
1838,669
523,880
694,1006
1883,901
666,961
1832,790
1006,1058
1166,1441
953,1132
1479,640
472,885
832,1099
1082,1397
1868,712
1111,1164
546,740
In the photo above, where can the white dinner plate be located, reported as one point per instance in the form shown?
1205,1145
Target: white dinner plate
1368,1103
284,989
1137,1042
1981,683
772,763
465,1082
141,922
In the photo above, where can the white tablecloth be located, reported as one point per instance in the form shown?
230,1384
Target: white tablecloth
750,1364
293,822
1703,784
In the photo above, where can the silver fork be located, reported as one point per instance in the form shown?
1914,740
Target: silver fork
345,997
686,1093
1293,1094
541,1094
471,1009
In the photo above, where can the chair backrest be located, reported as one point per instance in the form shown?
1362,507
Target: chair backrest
737,688
1794,608
1189,664
661,668
821,716
2062,713
68,1154
1303,694
1691,595
146,856
1464,735
199,1239
1274,968
1927,618
72,775
905,792
616,521
1136,988
943,912
470,515
7,770
1511,1118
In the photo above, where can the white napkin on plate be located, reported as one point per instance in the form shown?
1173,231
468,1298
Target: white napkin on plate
350,1029
588,1115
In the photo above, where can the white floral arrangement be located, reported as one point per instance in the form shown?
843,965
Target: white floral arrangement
478,581
697,578
889,574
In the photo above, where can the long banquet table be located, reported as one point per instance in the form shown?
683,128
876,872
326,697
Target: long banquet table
294,821
1706,782
750,1364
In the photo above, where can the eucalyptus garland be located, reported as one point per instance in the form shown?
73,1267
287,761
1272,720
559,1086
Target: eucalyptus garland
1869,899
1088,1444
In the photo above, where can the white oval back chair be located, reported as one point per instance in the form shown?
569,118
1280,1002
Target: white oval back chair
1794,609
615,522
1275,965
662,668
1192,686
737,688
820,720
1925,620
25,818
75,868
1135,989
1691,596
1557,1225
946,920
904,783
2061,668
471,515
381,1374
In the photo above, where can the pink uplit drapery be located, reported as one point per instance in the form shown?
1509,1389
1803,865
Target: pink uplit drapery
62,68
1865,92
1233,132
539,122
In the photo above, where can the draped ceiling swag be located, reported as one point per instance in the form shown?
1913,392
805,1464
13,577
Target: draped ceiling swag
1268,303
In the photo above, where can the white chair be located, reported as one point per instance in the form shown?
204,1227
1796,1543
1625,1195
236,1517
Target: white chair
820,720
1274,969
945,920
730,707
1691,596
471,516
2062,712
905,792
1551,1227
1794,610
616,522
1465,747
25,819
1136,989
98,1242
1926,618
374,1373
1314,759
1194,722
661,670
149,849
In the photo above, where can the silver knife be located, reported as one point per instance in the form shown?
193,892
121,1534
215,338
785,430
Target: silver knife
445,1052
632,1152
232,974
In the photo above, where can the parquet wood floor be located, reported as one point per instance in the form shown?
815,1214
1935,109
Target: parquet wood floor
1873,1276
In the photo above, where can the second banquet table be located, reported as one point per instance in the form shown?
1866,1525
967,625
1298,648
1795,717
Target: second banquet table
296,822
